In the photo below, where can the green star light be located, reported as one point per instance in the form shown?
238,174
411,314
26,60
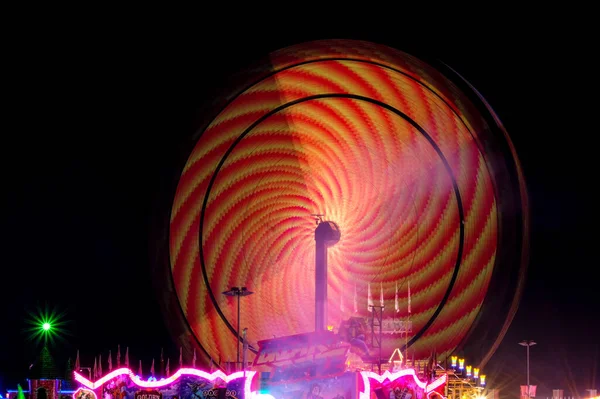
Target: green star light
46,326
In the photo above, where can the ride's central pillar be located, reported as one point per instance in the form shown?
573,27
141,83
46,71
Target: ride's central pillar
326,235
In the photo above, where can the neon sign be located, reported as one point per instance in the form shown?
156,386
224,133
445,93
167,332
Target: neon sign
87,391
248,375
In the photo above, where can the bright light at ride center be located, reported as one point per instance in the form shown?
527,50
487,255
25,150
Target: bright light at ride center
46,326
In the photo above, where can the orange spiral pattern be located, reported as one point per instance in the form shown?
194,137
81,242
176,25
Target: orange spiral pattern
379,143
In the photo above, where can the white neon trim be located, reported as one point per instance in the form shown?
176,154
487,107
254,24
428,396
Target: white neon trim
437,383
366,394
185,371
249,375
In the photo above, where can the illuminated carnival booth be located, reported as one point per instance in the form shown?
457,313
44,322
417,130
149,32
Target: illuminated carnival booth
189,383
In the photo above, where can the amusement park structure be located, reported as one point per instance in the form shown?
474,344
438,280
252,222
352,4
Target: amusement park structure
317,364
417,193
421,189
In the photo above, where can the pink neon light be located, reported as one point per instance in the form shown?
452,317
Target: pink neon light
248,393
80,390
249,375
366,394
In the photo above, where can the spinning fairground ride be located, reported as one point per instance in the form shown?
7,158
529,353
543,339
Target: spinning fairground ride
346,204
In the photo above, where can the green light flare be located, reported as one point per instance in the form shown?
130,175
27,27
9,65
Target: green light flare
46,326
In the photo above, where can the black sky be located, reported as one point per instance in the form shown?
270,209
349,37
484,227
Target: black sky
100,116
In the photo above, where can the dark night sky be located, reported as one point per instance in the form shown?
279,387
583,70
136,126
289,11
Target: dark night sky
101,114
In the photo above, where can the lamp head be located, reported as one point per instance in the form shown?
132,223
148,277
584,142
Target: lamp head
527,343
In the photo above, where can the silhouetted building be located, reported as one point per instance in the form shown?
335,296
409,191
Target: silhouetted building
46,381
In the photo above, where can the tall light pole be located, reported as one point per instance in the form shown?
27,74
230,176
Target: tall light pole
527,344
239,292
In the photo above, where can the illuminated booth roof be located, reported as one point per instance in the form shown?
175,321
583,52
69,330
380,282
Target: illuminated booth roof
318,353
190,383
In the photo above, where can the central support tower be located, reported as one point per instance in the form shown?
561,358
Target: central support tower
326,234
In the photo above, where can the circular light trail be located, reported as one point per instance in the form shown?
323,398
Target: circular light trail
379,143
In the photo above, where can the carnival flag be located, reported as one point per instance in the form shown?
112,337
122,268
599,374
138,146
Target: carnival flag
396,304
77,365
100,365
194,359
355,300
168,368
211,365
152,368
140,369
127,358
180,357
381,302
95,369
409,297
162,362
109,361
118,356
370,299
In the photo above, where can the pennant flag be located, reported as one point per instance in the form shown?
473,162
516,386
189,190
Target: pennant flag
168,368
409,297
180,357
370,299
211,365
140,369
77,365
152,368
381,302
100,365
524,391
127,358
109,362
118,356
532,390
162,362
95,372
355,300
396,304
194,359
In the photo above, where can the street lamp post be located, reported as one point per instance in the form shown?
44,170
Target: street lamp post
527,344
238,292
